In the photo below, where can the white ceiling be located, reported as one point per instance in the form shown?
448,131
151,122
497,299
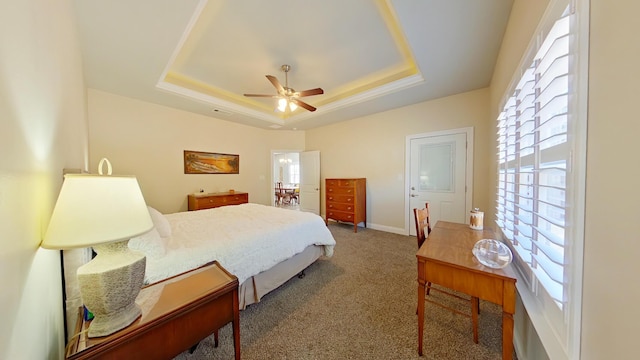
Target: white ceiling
368,55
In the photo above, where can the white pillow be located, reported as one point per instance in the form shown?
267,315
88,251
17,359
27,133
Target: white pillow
149,243
160,222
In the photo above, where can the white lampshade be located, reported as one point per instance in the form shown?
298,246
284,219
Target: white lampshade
97,209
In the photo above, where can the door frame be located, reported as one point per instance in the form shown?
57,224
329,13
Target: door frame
468,131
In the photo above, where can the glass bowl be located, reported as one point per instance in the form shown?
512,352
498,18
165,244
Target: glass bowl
492,253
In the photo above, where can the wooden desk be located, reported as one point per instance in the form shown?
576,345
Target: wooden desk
446,259
177,313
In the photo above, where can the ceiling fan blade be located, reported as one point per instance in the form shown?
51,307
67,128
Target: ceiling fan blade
302,104
262,95
316,91
276,83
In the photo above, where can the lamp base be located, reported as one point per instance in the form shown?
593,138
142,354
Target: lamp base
109,285
106,325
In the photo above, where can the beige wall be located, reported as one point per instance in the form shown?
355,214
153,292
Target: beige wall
148,140
612,245
374,147
43,130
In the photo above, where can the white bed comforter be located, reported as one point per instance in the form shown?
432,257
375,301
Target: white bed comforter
245,239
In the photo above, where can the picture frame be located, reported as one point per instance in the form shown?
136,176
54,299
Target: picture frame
198,162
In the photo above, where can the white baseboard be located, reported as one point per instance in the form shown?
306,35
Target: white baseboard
390,229
395,230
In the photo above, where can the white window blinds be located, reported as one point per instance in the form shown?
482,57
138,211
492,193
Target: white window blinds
533,160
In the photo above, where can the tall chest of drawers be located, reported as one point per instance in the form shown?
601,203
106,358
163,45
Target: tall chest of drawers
346,200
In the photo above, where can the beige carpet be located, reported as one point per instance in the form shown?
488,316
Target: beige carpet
358,304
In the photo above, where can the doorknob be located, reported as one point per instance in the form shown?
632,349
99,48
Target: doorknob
414,195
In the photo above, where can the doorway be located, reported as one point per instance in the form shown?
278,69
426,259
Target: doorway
439,171
286,179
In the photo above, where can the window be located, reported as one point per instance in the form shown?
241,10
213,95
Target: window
294,173
540,194
533,161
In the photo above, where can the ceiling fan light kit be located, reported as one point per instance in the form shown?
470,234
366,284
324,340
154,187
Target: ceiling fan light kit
282,105
288,97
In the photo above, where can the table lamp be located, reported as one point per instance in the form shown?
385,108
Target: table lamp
104,212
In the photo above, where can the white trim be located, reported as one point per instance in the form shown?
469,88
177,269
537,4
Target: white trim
574,323
211,100
389,229
468,131
185,34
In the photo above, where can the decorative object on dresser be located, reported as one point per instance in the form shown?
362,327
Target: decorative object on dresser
177,313
197,162
199,201
103,211
346,200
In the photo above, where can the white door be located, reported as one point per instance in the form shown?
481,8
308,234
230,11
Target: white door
310,181
438,176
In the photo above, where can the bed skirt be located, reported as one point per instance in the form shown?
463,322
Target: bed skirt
257,286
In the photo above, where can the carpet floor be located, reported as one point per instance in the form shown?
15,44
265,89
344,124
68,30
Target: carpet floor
358,304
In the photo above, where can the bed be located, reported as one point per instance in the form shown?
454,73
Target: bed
263,246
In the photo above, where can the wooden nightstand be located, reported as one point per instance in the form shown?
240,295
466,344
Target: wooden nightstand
177,313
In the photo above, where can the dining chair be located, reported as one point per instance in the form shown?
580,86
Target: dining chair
295,195
279,193
423,228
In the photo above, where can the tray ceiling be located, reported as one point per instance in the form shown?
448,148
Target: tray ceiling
368,56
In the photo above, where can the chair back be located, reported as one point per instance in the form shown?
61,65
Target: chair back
422,223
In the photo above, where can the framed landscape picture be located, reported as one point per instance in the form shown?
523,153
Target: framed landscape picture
197,162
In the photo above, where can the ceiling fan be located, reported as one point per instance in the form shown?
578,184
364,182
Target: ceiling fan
289,98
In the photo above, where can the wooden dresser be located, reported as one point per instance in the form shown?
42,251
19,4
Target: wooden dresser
346,200
212,200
